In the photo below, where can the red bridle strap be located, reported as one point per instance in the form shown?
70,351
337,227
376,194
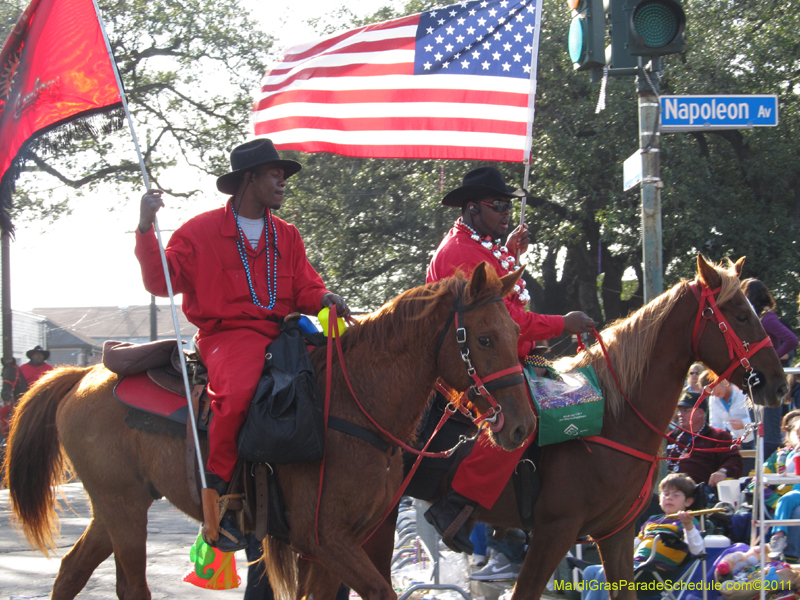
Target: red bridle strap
736,348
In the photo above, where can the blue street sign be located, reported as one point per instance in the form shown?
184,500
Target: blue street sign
686,113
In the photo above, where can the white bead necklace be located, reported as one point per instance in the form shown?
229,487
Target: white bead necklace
507,261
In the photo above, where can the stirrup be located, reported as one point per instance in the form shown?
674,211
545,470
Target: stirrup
451,531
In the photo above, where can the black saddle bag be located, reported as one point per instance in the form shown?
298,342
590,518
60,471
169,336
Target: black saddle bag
286,421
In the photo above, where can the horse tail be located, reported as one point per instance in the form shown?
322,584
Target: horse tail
282,570
34,461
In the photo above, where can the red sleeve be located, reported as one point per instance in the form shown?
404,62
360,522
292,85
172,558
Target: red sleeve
453,255
533,326
308,287
178,252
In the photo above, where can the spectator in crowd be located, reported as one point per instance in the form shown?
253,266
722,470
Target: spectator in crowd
693,382
783,340
794,391
36,365
692,436
728,406
776,464
789,501
676,496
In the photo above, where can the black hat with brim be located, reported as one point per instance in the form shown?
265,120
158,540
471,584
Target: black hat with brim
480,183
691,398
46,353
250,155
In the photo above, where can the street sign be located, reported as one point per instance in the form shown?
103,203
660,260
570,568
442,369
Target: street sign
632,170
688,113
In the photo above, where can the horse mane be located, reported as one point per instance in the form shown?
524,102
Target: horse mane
630,340
404,317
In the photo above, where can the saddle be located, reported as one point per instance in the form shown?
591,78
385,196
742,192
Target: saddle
151,385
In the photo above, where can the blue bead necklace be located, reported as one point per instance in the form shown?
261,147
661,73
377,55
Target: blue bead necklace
272,258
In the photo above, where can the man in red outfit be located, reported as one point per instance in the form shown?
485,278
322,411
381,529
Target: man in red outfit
485,203
35,367
241,270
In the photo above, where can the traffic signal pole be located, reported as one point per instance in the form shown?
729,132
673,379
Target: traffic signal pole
649,144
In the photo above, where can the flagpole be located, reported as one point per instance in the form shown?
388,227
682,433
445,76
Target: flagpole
164,265
531,108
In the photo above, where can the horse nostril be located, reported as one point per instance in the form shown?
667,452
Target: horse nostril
519,435
782,390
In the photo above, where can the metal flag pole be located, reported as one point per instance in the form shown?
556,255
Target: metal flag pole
537,28
146,180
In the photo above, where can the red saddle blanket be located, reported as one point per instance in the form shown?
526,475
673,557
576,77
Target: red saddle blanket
140,392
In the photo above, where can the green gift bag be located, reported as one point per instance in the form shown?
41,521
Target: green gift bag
570,407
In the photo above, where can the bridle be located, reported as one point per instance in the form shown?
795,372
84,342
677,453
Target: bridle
482,386
739,351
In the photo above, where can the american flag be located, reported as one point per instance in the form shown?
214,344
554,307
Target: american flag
456,82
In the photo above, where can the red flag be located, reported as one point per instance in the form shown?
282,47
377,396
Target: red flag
54,67
456,82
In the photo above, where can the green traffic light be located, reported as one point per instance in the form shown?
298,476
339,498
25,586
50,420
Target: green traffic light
576,41
657,23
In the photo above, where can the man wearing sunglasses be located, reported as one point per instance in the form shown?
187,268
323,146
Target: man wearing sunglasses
485,203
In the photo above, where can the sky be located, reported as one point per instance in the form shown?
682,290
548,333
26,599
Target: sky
86,258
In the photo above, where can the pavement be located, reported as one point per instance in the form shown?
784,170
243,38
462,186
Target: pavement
26,573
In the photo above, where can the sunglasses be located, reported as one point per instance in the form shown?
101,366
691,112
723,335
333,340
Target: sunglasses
498,206
694,373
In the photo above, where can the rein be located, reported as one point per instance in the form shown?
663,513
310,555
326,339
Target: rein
481,386
739,352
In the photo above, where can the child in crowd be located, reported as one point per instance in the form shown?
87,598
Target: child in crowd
677,495
782,460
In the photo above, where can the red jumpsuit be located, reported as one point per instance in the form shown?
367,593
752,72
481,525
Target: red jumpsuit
205,267
484,473
32,373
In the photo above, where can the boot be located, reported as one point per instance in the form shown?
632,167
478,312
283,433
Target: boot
452,517
222,534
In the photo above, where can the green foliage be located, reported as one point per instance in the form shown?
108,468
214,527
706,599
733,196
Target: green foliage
372,225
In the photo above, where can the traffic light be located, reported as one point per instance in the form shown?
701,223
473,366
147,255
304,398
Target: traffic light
587,34
655,27
644,28
617,54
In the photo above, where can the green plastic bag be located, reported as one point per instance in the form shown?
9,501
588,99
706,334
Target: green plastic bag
569,407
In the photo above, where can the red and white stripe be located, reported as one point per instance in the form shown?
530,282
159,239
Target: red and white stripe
356,94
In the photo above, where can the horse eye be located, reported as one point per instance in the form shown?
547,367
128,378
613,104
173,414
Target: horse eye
486,342
743,318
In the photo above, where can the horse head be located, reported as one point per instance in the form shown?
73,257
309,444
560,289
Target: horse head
739,349
482,355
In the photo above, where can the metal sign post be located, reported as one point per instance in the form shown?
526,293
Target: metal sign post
649,143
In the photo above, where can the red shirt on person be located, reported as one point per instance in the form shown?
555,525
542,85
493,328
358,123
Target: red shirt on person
458,251
206,267
33,372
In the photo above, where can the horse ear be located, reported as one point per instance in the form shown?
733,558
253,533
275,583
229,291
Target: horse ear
739,266
706,273
477,282
510,280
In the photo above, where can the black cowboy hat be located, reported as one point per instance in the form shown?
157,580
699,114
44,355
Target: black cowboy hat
691,398
478,183
30,352
246,157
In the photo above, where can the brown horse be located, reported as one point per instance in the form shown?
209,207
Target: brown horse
390,357
587,489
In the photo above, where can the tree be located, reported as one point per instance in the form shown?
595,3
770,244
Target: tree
189,68
726,193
